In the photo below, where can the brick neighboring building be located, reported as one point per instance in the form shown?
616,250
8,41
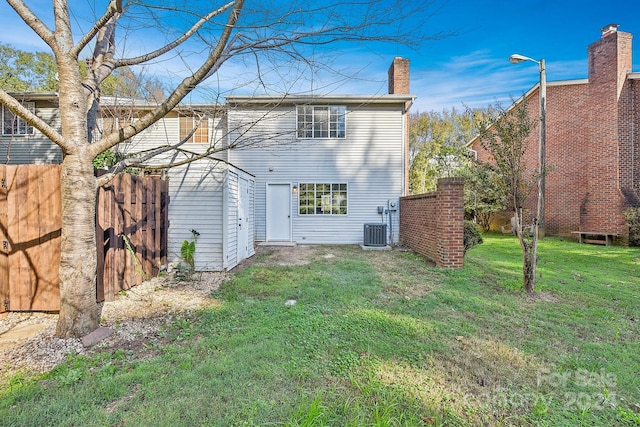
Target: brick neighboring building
593,141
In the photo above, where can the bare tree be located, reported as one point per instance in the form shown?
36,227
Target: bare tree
204,40
505,137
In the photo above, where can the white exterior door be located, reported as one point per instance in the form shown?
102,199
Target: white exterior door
278,212
243,219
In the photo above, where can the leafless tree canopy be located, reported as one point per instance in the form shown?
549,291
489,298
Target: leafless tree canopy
192,41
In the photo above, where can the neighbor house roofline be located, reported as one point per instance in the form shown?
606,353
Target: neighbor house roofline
528,93
112,101
34,96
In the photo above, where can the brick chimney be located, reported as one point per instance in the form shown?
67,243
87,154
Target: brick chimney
610,58
399,76
609,29
606,147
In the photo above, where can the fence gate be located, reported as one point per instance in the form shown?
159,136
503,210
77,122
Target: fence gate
131,232
30,228
131,235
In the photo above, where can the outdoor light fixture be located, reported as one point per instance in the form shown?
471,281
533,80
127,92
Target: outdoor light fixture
295,189
515,59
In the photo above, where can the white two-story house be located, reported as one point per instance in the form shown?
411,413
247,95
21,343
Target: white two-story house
292,169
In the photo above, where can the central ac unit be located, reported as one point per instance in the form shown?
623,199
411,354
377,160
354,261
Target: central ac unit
375,235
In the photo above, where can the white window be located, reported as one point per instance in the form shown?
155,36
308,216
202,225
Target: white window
14,125
322,199
321,121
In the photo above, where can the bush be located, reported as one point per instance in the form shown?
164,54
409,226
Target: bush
472,236
632,216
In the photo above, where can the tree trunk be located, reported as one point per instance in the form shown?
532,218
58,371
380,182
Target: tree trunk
529,252
529,269
78,263
530,265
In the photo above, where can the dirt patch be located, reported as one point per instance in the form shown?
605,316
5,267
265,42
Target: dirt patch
542,297
28,344
282,256
402,276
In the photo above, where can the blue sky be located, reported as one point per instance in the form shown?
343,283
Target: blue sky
469,68
472,67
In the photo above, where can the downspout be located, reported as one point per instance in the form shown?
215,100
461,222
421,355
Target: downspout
406,146
405,159
390,228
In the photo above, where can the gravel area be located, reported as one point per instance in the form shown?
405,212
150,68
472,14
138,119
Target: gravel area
28,344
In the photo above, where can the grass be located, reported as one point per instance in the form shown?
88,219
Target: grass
376,338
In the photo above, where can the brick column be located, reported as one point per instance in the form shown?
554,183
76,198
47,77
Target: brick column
450,197
432,224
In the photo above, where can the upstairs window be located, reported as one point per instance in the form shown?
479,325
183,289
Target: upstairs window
321,121
14,125
201,126
322,199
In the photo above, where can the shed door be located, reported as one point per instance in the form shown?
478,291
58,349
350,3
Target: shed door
278,212
243,219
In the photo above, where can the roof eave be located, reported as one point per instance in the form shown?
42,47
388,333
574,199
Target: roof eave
314,99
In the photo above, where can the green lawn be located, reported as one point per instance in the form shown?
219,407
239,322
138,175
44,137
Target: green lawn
376,338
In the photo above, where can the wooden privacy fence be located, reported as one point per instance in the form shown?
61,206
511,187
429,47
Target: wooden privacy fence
131,231
30,219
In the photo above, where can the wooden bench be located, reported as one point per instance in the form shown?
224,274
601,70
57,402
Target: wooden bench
596,237
507,229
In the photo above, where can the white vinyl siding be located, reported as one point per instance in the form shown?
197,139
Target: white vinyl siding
167,132
232,202
203,197
370,160
33,148
196,196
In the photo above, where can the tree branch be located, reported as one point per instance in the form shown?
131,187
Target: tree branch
34,22
19,110
169,47
115,7
182,90
147,155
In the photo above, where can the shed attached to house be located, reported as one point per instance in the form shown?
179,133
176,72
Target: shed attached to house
216,200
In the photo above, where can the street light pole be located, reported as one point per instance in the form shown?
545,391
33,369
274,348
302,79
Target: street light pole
542,142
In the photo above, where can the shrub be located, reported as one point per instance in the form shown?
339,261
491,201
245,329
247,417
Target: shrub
632,215
472,236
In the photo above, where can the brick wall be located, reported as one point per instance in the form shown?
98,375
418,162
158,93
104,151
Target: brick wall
593,143
432,224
